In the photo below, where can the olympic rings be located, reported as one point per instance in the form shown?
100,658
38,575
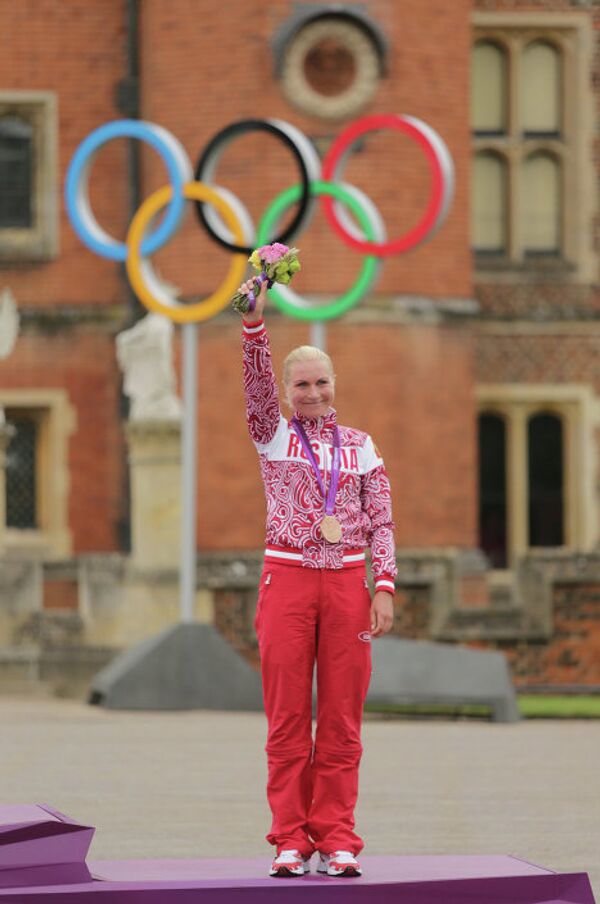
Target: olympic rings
304,154
143,278
442,189
367,215
228,222
76,186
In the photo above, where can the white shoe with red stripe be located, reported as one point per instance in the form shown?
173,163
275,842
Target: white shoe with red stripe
340,863
288,864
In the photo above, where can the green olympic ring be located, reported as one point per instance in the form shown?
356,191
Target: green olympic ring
291,302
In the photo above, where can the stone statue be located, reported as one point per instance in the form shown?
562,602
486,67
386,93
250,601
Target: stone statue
9,323
9,330
145,356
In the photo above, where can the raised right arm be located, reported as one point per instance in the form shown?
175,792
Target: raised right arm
260,385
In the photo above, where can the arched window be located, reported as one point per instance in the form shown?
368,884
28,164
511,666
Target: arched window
489,89
21,491
546,480
492,489
541,79
16,173
541,204
489,208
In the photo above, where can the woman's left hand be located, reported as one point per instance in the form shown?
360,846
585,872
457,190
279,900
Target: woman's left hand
382,613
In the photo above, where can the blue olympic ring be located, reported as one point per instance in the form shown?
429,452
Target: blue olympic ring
85,224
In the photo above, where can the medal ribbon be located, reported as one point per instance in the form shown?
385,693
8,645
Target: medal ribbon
328,496
259,280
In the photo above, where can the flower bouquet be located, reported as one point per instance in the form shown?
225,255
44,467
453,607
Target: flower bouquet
276,263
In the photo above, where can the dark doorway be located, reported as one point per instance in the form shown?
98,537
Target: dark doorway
492,489
546,480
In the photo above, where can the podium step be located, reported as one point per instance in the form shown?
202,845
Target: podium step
386,880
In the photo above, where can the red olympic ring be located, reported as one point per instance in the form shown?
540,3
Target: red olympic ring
440,165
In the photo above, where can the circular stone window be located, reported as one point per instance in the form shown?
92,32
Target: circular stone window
331,69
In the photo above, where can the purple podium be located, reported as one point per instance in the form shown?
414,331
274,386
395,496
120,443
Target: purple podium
42,861
40,846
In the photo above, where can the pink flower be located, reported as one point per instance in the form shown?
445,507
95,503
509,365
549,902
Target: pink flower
272,253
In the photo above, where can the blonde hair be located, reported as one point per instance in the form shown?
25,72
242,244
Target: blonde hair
305,353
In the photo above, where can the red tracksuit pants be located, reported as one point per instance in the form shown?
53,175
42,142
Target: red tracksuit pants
307,616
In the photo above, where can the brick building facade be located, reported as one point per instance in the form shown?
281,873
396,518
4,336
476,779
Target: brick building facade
473,348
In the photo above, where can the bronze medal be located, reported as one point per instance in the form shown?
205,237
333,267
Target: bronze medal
331,529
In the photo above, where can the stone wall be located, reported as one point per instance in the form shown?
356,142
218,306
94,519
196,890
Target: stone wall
547,621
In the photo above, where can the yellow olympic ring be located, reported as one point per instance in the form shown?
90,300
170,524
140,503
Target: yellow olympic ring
142,277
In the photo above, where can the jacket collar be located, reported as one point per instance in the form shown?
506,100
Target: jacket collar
312,424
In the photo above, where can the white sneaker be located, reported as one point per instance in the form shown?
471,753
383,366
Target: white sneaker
340,863
288,864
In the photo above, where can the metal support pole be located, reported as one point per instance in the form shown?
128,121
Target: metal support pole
318,334
189,482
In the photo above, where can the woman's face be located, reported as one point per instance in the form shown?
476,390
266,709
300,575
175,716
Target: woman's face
310,388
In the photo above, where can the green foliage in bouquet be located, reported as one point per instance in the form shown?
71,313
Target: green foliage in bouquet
276,263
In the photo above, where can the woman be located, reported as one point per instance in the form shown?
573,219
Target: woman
328,497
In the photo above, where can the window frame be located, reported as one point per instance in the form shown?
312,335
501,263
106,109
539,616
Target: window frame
41,240
56,421
574,405
529,253
493,253
571,34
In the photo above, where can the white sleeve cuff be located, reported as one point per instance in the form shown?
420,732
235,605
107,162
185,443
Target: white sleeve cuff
251,329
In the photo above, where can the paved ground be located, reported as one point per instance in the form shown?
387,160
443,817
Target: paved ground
191,784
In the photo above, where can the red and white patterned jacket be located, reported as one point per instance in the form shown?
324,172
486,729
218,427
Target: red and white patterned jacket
295,505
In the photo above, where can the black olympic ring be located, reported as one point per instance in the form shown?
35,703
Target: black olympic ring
210,155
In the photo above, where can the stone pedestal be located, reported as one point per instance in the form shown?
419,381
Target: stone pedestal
186,666
155,475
